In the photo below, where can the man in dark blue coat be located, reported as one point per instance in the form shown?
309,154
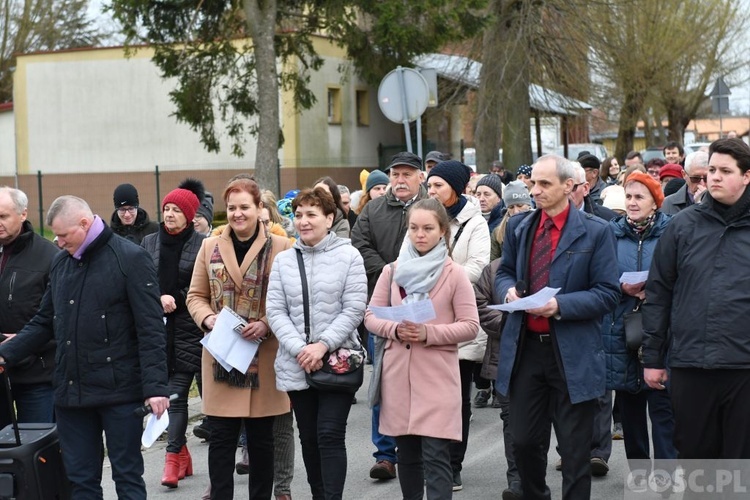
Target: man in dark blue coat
551,358
103,309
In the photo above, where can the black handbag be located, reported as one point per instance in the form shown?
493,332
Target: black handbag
633,324
343,370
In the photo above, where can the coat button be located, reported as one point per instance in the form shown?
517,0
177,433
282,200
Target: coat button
109,359
70,382
104,316
408,346
67,343
72,301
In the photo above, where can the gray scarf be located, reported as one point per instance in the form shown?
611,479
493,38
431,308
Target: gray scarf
418,274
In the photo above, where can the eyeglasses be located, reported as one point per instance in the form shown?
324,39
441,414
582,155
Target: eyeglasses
695,179
129,210
575,186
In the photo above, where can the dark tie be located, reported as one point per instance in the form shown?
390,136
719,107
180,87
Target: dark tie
541,258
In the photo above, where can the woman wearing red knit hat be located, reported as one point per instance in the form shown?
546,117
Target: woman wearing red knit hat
637,233
174,249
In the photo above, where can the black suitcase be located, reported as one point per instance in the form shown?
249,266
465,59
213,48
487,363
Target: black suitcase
31,466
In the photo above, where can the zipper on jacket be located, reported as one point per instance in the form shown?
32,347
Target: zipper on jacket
640,253
10,288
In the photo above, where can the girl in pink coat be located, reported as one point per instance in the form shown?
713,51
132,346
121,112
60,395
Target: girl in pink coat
420,381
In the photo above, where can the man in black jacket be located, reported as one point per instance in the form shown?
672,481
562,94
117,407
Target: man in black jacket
25,259
103,309
696,309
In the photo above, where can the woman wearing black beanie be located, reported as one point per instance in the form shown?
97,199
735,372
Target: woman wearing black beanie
470,247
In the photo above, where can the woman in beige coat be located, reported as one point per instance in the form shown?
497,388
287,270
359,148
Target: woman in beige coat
232,270
420,381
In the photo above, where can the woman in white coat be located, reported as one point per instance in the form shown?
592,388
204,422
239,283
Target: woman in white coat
470,248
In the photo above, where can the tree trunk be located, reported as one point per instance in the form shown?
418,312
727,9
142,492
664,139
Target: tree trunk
489,101
261,21
629,112
678,120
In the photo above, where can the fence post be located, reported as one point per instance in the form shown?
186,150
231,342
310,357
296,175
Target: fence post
158,195
41,201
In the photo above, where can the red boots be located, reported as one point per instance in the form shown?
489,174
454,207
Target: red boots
176,467
171,470
186,462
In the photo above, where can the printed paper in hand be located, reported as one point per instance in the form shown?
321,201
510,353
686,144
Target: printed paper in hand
539,299
421,311
226,345
633,277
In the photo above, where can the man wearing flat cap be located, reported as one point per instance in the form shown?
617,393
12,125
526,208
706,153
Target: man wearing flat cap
591,164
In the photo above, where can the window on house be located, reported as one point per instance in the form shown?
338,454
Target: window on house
363,108
334,105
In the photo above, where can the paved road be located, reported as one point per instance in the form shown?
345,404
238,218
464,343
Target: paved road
483,474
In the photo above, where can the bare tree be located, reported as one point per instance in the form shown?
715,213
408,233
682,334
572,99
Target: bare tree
527,41
35,25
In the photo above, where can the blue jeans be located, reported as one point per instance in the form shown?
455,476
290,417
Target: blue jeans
34,404
385,445
80,431
321,420
633,411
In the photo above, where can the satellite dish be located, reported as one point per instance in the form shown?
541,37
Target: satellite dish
403,95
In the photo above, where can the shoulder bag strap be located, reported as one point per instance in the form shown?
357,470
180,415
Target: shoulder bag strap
390,284
458,234
305,297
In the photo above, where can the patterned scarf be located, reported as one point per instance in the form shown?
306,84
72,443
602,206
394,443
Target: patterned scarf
642,226
250,304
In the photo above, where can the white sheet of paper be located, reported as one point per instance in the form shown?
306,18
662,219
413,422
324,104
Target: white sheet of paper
226,344
633,277
421,311
218,358
154,428
531,302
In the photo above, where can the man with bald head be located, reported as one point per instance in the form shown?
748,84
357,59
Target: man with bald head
102,307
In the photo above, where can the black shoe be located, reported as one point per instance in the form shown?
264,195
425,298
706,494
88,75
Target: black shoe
482,399
496,400
599,467
202,430
509,494
457,484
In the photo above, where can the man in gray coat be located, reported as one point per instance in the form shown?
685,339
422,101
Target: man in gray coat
696,168
378,235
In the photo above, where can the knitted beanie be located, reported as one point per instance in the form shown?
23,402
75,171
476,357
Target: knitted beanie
493,182
206,208
651,184
187,197
126,195
376,178
524,170
516,193
455,173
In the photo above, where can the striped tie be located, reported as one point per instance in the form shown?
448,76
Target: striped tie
541,258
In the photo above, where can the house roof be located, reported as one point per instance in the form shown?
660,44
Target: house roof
466,71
